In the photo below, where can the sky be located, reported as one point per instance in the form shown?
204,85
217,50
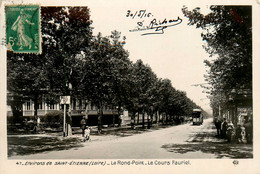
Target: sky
177,54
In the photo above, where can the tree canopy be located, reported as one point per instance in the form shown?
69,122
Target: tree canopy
98,68
227,31
48,74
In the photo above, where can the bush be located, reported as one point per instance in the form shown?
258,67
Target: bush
53,119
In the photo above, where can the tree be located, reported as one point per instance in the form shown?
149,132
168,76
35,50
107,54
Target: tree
167,98
66,32
15,101
131,93
120,71
100,71
157,98
145,79
228,34
26,77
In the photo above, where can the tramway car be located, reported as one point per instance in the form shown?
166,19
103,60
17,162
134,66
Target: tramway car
197,117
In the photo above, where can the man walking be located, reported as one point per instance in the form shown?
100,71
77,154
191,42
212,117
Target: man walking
218,126
83,125
224,128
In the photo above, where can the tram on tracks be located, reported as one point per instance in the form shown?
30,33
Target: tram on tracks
197,117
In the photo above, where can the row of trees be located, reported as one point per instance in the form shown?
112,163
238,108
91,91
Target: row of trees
227,31
98,69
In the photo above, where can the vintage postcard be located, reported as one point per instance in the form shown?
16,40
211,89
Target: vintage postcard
129,86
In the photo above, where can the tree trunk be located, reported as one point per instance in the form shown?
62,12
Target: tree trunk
138,118
149,121
119,115
99,120
17,113
143,120
159,114
113,117
35,115
156,117
133,120
167,119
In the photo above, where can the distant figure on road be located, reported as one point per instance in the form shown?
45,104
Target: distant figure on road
87,134
240,134
120,120
224,128
249,130
218,126
83,125
230,133
25,122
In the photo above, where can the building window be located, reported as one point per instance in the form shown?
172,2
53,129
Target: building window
52,106
80,104
28,105
40,106
74,104
84,104
88,106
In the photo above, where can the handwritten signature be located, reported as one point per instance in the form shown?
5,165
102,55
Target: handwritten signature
157,25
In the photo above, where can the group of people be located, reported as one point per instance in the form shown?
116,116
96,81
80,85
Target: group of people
85,130
242,133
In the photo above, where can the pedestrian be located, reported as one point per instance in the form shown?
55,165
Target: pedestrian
83,125
87,134
119,120
240,134
230,131
249,130
26,124
38,121
218,126
224,128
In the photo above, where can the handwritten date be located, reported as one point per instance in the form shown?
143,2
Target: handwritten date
140,14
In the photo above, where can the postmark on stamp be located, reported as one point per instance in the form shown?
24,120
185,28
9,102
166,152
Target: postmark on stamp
23,30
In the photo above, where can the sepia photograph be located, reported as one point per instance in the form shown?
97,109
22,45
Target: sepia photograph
84,97
132,83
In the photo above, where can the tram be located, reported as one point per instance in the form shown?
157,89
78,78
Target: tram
197,117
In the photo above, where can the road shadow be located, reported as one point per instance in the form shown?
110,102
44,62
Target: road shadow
125,132
27,144
209,142
221,150
37,144
128,131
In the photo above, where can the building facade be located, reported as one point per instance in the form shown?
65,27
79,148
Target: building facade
79,108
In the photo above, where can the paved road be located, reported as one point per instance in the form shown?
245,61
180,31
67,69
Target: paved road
183,141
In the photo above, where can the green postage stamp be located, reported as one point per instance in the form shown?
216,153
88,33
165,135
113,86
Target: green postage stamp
23,28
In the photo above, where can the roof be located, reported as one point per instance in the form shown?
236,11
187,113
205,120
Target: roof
196,110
